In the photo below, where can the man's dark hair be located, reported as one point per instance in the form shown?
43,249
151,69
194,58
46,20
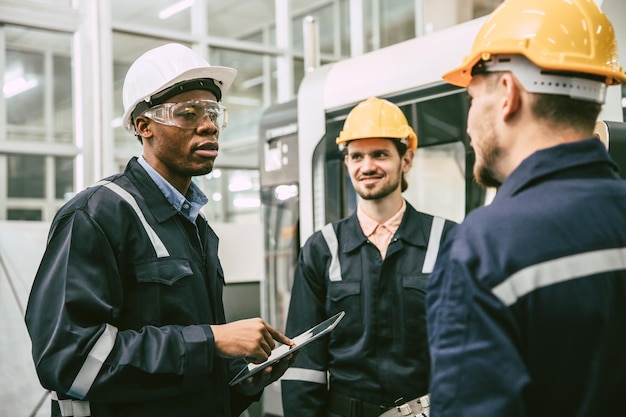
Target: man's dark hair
402,148
566,111
560,110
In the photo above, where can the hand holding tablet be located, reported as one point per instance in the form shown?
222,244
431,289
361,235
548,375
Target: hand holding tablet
284,350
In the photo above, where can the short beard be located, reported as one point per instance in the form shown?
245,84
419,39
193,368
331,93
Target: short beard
484,173
491,153
191,171
377,195
380,194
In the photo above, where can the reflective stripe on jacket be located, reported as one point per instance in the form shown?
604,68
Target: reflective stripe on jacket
378,352
526,308
120,310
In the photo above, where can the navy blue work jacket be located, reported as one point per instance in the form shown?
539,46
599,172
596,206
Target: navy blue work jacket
120,310
378,352
527,302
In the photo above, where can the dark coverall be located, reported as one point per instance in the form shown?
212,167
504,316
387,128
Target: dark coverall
526,306
120,310
379,351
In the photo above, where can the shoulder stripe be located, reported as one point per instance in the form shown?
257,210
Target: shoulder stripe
559,270
159,247
436,230
334,271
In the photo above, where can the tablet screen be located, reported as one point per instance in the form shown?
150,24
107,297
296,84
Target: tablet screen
284,350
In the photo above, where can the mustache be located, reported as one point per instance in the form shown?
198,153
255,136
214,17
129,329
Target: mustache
370,174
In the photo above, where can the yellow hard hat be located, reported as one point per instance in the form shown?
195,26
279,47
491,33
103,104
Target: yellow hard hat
559,35
377,118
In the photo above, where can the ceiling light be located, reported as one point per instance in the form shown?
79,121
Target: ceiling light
252,82
243,101
242,202
117,122
285,192
18,85
240,184
216,173
175,8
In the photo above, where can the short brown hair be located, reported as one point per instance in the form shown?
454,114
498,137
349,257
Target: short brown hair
566,111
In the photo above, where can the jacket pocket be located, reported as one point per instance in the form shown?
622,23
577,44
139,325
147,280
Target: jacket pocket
346,296
412,305
415,282
162,270
164,292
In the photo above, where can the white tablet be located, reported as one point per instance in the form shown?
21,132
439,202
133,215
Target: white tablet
284,350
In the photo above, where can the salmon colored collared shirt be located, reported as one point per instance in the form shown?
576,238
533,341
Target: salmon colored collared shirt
380,234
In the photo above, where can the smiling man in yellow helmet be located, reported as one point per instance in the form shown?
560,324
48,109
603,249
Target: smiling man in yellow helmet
525,307
374,266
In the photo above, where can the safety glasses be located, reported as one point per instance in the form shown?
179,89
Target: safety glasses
189,114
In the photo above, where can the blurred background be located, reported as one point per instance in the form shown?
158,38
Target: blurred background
63,63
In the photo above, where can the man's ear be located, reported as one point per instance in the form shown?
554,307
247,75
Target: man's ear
407,158
143,127
511,101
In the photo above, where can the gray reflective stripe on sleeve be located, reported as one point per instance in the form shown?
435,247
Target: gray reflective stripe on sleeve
334,271
436,229
558,270
305,375
158,245
92,365
72,408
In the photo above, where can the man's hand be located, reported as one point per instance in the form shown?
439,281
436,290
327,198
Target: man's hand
252,339
260,380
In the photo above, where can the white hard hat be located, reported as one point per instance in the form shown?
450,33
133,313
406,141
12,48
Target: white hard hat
163,67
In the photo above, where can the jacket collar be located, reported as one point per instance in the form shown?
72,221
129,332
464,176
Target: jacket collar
158,205
556,160
411,230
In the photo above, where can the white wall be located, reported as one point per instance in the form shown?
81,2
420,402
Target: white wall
21,247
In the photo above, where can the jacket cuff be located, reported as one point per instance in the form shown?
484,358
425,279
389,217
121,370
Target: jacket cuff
198,357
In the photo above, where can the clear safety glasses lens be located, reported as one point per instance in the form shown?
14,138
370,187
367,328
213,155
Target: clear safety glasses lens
189,114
